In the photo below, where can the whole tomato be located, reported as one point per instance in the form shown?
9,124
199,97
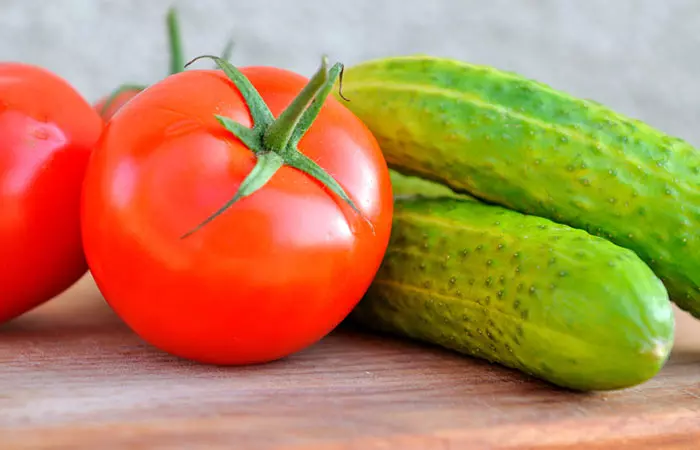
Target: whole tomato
47,132
110,104
236,250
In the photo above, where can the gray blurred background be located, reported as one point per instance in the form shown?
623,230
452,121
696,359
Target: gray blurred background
638,56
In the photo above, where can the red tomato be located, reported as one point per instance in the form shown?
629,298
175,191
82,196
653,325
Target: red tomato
126,92
119,100
271,275
47,132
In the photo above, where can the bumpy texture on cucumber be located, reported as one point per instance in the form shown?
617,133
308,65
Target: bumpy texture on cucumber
521,144
522,291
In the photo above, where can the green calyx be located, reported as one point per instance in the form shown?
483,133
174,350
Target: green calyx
274,141
177,57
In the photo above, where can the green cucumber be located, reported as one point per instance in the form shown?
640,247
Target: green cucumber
522,291
406,186
518,143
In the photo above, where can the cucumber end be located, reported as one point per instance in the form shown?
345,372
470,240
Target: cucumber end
660,349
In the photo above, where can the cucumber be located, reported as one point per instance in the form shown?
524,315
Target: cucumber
522,291
407,186
518,143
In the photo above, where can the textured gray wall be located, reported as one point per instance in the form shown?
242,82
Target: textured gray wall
639,56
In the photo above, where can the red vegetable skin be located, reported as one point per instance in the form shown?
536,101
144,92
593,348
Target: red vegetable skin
108,106
271,273
47,132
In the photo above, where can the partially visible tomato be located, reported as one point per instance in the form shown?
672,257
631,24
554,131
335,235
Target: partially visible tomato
275,271
110,104
47,133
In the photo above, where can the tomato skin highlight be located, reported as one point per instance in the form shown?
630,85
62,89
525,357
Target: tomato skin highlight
274,273
47,133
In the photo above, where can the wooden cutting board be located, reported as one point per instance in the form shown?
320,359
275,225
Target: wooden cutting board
73,377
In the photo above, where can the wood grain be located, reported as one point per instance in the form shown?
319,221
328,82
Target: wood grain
72,376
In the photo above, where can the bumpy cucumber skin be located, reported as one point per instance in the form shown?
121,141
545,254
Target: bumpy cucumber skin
521,144
546,299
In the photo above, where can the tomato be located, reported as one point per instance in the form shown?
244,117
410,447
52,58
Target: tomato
47,132
275,271
110,104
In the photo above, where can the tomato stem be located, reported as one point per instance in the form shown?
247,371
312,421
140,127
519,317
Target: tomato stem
274,141
228,49
277,136
177,59
314,109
